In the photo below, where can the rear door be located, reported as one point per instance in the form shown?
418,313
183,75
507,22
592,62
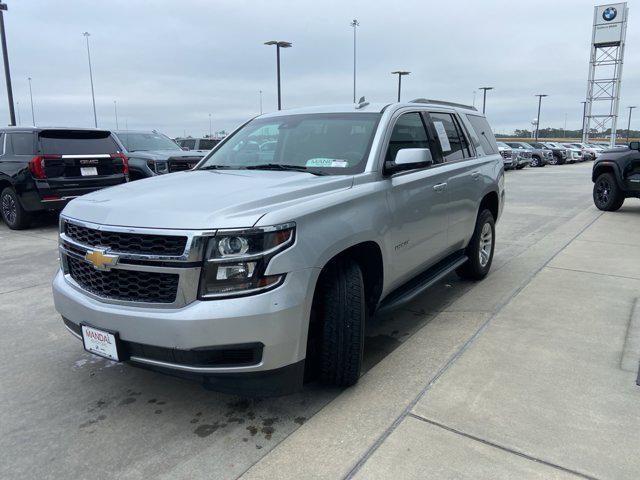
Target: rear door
18,149
465,173
74,162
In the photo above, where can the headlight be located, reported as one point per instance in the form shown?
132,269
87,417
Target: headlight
235,260
158,166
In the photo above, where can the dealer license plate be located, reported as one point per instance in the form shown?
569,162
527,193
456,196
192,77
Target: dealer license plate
88,171
100,342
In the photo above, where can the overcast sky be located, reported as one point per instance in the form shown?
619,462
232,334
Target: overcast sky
169,64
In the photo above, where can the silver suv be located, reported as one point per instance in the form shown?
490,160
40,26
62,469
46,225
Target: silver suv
262,265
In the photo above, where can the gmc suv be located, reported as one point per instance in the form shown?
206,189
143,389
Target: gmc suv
262,265
43,168
152,153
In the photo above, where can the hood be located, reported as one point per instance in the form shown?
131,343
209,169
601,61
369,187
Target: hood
202,199
164,154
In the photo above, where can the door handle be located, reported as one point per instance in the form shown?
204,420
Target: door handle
440,187
475,175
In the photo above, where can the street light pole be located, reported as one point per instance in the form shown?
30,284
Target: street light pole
279,44
93,96
629,122
538,118
484,97
115,109
355,24
584,117
210,133
33,115
7,73
260,102
400,74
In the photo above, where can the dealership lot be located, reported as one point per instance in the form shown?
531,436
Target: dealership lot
427,363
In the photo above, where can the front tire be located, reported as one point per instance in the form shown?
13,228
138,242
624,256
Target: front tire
607,196
340,309
480,249
535,161
13,214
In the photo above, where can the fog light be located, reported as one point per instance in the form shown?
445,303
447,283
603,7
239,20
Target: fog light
235,271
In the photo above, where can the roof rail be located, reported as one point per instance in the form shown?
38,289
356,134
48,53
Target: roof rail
442,102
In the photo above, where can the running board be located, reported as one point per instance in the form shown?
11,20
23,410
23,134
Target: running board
417,285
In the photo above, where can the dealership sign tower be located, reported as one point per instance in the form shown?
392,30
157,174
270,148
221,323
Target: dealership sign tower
605,69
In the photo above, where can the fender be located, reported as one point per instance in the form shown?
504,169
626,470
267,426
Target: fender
607,164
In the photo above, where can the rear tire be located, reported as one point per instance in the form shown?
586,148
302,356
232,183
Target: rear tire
607,196
480,249
13,214
340,309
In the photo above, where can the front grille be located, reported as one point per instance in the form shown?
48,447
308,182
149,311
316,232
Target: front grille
182,164
505,154
135,243
126,285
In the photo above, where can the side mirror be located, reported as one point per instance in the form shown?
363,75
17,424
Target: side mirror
185,148
409,159
634,145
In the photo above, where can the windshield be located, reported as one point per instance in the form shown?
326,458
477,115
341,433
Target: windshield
517,146
135,142
503,145
335,144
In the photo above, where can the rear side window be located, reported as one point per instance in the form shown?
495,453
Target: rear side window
207,144
20,143
454,144
190,144
408,132
485,135
78,142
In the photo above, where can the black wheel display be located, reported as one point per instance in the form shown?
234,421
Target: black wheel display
16,217
480,248
340,310
607,195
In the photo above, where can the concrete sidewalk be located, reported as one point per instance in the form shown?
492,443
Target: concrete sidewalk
530,374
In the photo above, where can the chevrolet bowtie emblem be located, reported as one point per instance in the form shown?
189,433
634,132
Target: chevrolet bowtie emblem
100,259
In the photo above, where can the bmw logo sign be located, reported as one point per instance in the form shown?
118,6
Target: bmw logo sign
609,13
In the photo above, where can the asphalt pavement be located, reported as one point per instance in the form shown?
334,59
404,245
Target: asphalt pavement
451,385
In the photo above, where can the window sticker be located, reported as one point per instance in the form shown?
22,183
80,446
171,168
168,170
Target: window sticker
442,136
327,163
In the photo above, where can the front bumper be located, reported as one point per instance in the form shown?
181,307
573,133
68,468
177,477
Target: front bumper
277,320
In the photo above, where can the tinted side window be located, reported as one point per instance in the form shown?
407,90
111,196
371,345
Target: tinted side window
408,132
190,144
454,145
483,130
20,143
207,144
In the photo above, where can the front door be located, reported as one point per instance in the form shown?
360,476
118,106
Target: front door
417,235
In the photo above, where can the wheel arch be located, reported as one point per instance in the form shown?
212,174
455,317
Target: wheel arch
607,167
368,256
491,201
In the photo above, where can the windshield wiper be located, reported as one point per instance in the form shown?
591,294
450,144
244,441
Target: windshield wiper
218,167
284,167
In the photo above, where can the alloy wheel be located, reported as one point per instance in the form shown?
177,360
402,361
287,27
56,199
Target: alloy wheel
9,209
486,243
603,190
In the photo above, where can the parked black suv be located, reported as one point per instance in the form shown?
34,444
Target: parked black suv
616,176
43,168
